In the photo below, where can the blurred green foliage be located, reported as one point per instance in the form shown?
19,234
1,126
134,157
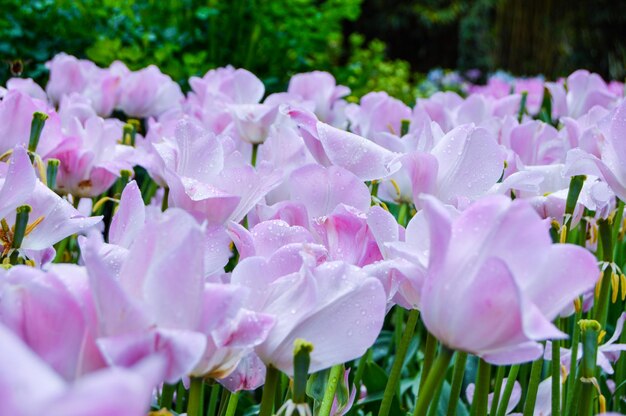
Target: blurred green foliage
368,69
183,37
273,39
367,44
187,37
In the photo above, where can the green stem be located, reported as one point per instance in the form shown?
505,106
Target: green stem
571,379
21,223
434,405
620,372
589,330
402,214
166,196
429,356
508,390
396,369
331,388
575,186
404,127
167,395
223,402
617,223
232,404
457,382
148,190
195,406
555,367
36,127
497,390
601,311
269,391
180,397
58,257
52,169
479,404
255,151
434,380
398,324
375,185
215,391
522,107
533,385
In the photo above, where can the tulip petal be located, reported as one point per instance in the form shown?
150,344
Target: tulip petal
321,189
129,218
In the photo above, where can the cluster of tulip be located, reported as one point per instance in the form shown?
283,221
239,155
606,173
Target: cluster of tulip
173,253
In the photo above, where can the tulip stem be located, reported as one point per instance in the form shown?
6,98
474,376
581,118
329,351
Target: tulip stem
402,214
606,234
195,406
167,395
434,404
269,391
571,380
555,366
166,196
331,388
508,390
457,382
590,330
575,186
533,385
375,185
434,379
21,224
232,404
429,356
497,390
181,393
255,151
479,404
223,402
215,391
396,369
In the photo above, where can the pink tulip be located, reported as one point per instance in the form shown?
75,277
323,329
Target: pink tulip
50,319
30,387
505,304
90,157
322,189
148,93
52,218
330,145
208,179
496,87
321,90
16,115
462,166
536,143
610,165
585,90
253,121
98,86
28,87
534,89
249,374
67,75
159,302
335,306
377,113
